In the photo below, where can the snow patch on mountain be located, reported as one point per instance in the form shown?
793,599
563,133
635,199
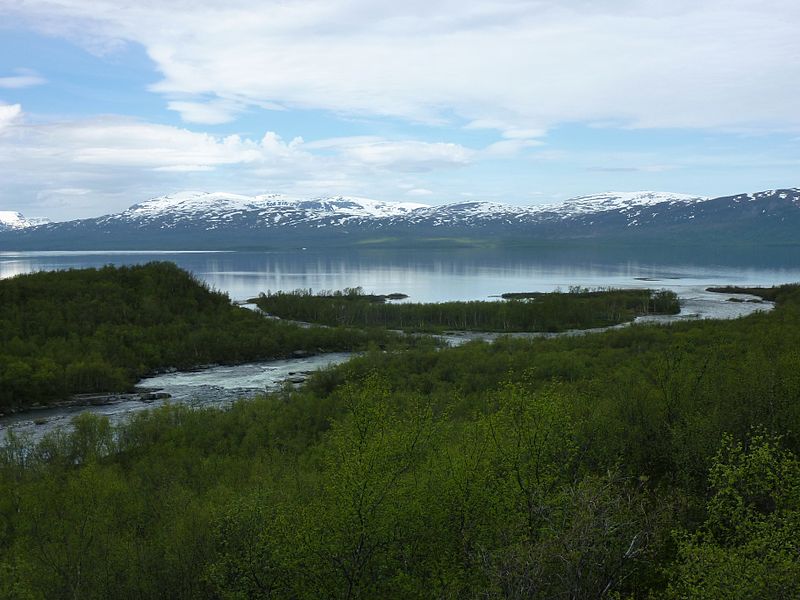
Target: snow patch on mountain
629,204
13,220
222,207
622,201
283,209
791,194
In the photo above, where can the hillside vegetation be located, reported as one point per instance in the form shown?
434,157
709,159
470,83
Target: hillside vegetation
101,330
646,462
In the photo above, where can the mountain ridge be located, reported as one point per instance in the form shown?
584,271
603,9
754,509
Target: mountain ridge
223,220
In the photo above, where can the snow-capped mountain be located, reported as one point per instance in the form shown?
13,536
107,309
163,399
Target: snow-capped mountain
219,209
623,201
202,220
480,214
11,220
222,210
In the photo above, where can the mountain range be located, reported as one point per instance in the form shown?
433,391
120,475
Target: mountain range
218,220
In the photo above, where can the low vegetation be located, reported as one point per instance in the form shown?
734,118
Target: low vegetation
644,462
579,308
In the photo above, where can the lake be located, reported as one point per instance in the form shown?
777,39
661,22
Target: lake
434,276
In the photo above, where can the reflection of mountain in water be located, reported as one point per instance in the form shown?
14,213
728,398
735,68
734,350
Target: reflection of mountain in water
450,275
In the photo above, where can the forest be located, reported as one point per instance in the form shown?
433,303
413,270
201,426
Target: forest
643,462
101,330
580,308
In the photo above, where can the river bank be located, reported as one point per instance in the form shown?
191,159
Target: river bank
217,385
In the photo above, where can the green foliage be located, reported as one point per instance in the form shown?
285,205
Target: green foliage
579,309
100,330
364,518
749,545
637,463
248,560
534,443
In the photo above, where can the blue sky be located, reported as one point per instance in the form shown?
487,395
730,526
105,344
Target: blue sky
104,104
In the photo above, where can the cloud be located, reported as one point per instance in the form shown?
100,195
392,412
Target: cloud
514,133
396,155
70,191
207,113
9,113
521,66
343,142
23,79
419,192
184,168
122,160
410,156
639,169
121,142
510,147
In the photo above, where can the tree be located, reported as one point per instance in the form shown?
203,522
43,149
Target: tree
749,545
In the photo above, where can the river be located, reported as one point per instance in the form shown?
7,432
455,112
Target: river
211,386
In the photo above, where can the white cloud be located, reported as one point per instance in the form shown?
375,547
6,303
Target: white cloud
9,113
419,192
184,169
409,155
343,142
510,147
132,144
725,64
122,160
207,113
111,141
70,191
514,133
24,78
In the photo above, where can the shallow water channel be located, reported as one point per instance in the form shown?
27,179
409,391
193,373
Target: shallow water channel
696,303
212,386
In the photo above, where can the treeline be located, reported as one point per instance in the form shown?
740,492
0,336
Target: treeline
96,330
578,309
647,462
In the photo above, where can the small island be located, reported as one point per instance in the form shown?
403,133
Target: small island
579,308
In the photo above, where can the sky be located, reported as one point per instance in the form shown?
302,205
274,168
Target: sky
106,103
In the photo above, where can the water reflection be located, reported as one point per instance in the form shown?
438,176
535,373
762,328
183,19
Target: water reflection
429,276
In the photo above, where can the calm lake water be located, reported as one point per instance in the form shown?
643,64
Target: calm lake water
434,276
